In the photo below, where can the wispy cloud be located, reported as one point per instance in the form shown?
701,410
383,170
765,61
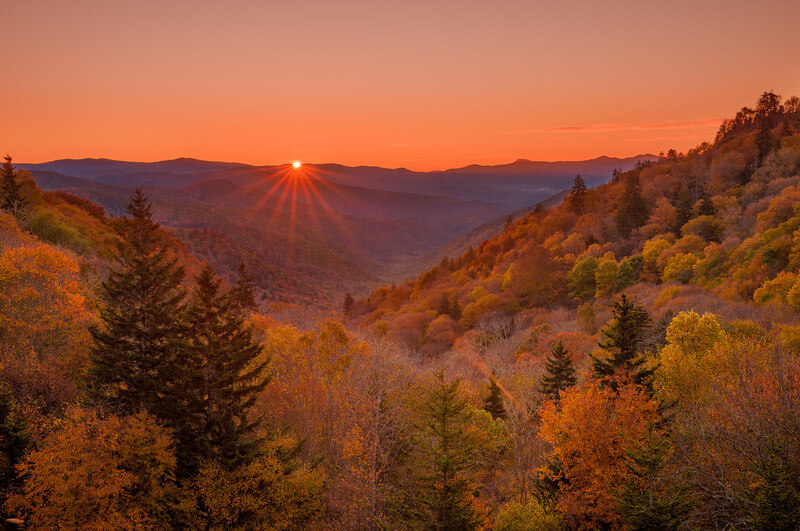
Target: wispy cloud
595,128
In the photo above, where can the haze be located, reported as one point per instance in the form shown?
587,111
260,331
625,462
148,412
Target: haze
423,85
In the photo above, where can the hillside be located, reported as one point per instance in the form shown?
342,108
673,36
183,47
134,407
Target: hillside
298,227
716,222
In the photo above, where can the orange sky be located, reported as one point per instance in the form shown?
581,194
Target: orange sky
422,84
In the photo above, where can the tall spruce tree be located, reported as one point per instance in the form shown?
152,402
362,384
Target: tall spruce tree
139,349
446,447
243,292
223,378
347,304
624,341
577,196
494,402
632,210
10,188
559,373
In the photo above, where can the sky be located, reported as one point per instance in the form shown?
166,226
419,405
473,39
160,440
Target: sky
426,85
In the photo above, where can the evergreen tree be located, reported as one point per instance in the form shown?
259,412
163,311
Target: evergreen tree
494,402
775,500
14,441
577,196
10,188
140,346
764,144
632,211
243,292
223,379
347,305
559,373
624,340
706,207
446,448
649,500
683,211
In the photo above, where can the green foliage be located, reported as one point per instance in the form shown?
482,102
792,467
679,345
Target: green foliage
223,361
623,343
775,497
140,349
10,189
649,499
446,447
48,227
632,210
559,373
494,402
577,196
14,440
581,281
528,516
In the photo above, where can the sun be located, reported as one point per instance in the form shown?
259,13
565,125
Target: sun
296,164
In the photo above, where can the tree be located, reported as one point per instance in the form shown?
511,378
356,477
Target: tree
683,211
649,499
243,292
494,402
96,472
140,346
10,188
225,373
577,196
581,281
706,207
347,305
14,441
764,144
559,373
624,338
507,224
447,449
632,210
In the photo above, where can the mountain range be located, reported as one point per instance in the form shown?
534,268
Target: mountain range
318,231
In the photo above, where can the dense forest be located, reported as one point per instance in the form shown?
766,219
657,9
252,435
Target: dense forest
626,359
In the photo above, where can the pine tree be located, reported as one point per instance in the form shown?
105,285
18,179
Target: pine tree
507,225
683,211
10,188
446,447
141,343
222,381
632,211
347,305
648,500
243,292
706,207
764,144
14,440
494,402
559,373
624,340
577,196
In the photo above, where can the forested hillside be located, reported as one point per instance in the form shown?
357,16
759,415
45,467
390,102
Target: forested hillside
626,359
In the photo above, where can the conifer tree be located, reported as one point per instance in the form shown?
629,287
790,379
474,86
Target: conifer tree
559,373
10,188
683,211
243,292
764,144
347,305
577,196
14,440
624,341
446,448
632,210
507,225
223,378
140,344
494,402
706,207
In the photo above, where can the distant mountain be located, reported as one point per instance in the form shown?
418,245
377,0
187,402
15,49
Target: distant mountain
365,223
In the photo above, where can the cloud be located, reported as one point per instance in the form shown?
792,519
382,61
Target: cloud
595,128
